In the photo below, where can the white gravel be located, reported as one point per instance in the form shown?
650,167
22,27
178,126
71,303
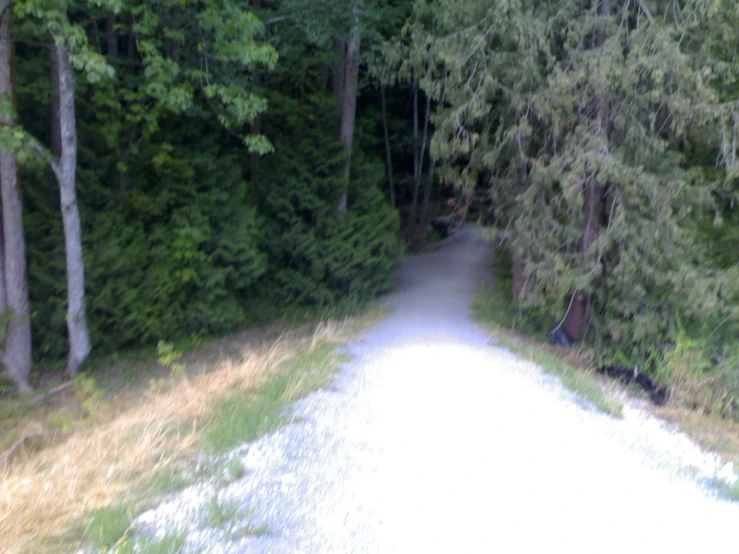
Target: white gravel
435,440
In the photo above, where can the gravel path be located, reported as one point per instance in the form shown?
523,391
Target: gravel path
435,440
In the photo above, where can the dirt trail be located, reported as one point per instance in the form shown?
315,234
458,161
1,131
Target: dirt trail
435,440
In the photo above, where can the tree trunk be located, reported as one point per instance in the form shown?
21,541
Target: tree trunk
430,175
388,157
517,263
79,338
578,313
427,198
349,105
17,354
339,71
111,36
56,130
254,157
131,42
418,158
414,201
517,266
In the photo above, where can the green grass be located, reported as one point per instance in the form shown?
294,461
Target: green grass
231,517
233,471
242,417
494,310
726,491
107,526
222,515
169,544
249,530
161,482
248,414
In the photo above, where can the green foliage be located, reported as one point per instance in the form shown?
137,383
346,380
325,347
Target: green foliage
178,256
726,491
316,255
175,240
90,394
169,357
539,101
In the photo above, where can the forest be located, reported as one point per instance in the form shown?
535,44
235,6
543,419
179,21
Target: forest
176,168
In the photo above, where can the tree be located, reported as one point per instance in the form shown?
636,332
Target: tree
66,36
14,291
349,29
65,169
171,81
574,115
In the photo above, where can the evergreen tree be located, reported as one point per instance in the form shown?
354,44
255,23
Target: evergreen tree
577,115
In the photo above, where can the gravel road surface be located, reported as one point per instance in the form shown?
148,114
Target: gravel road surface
435,440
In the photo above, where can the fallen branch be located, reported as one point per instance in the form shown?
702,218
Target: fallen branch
56,390
10,454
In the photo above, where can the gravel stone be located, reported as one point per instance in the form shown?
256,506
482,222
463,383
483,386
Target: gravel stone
434,439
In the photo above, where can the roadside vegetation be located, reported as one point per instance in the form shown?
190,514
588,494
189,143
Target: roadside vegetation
122,449
528,334
493,307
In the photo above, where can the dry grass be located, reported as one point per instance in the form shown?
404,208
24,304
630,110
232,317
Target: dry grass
43,493
714,433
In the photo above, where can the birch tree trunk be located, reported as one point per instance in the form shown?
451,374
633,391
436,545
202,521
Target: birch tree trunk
349,104
17,353
54,123
79,337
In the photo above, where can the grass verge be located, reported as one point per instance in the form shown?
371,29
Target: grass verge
87,485
498,315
